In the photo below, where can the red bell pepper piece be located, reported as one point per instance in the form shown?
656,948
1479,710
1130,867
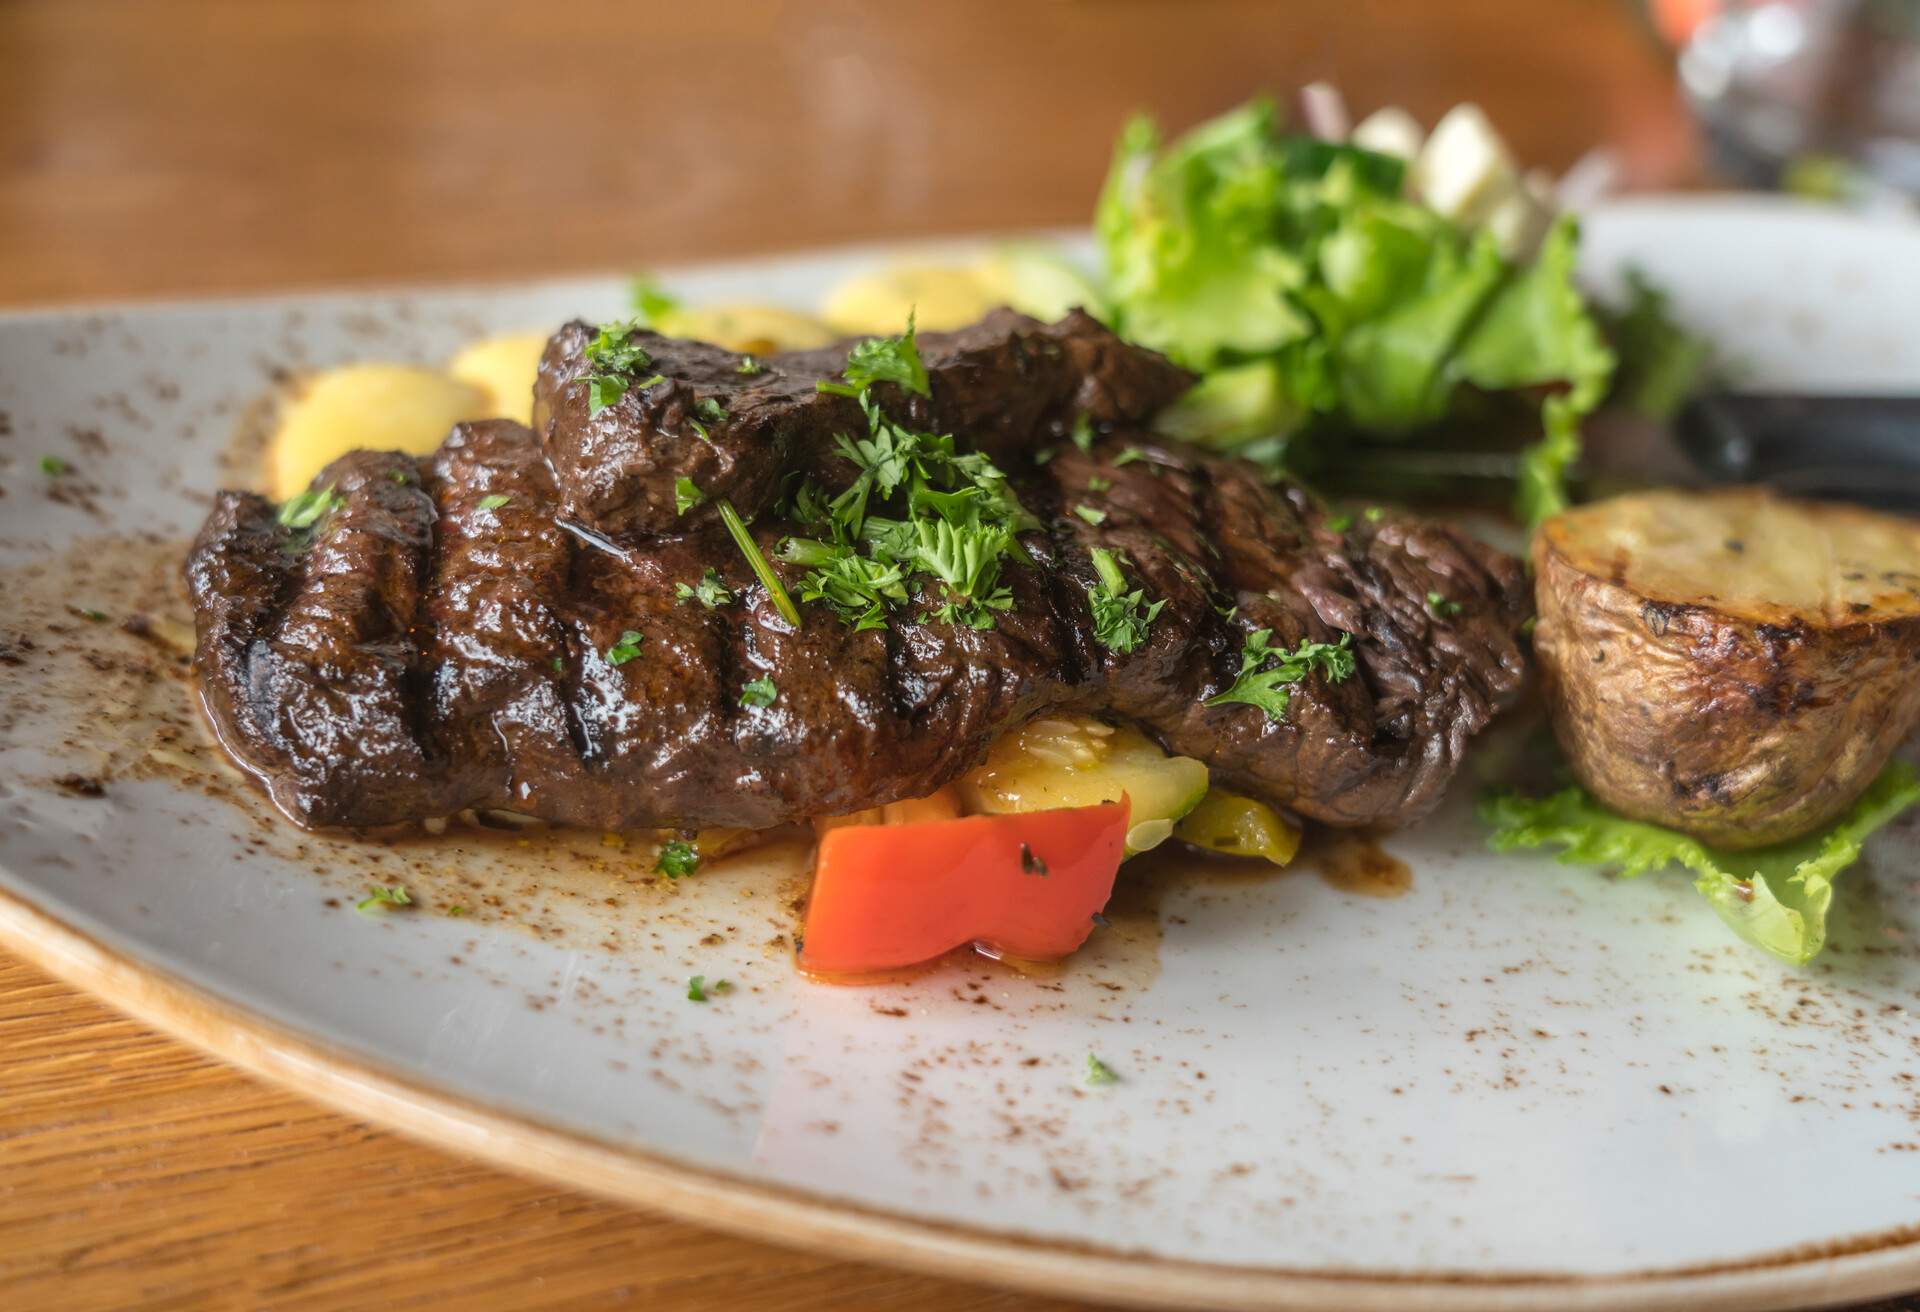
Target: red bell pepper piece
1024,885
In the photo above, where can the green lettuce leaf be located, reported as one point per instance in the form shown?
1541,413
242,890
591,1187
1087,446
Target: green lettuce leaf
1775,898
1301,271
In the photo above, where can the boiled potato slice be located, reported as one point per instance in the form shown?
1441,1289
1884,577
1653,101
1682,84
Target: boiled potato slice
374,407
1732,664
503,368
938,296
748,329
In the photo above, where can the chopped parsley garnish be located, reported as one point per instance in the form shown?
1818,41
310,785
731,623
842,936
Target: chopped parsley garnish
686,495
494,502
858,588
379,898
613,358
1030,863
1128,456
398,475
758,692
92,615
749,366
709,591
457,910
559,665
1099,484
1339,523
882,360
677,857
1120,618
1045,455
709,409
650,302
1265,671
626,649
53,466
1091,515
1441,607
917,507
308,508
762,567
698,990
1083,433
1374,514
1099,1073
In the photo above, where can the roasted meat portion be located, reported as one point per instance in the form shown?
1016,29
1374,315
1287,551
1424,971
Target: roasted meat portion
506,624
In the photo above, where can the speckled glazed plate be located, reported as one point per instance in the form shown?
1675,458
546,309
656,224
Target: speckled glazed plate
1516,1085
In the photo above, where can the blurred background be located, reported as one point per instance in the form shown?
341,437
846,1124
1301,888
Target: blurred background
167,147
178,146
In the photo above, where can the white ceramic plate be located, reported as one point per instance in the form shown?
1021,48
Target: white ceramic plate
1519,1085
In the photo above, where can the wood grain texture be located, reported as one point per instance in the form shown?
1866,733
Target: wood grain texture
203,146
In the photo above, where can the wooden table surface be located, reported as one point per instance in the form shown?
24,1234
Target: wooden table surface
202,146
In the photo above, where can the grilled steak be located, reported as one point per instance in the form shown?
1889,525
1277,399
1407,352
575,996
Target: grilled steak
432,648
1004,385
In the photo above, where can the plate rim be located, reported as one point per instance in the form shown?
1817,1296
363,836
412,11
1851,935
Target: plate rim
1820,1274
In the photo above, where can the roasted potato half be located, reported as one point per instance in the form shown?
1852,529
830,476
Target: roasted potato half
1733,664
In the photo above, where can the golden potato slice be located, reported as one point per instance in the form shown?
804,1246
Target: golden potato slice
940,297
374,407
503,368
748,329
1732,664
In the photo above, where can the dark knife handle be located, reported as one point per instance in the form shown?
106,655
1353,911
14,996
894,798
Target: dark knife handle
1853,448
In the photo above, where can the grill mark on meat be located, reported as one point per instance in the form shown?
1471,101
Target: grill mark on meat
482,601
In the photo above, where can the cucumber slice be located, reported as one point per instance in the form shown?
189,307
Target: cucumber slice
1061,761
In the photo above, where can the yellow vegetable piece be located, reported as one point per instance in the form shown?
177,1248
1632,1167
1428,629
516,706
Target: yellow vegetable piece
503,368
376,407
939,296
1239,826
748,329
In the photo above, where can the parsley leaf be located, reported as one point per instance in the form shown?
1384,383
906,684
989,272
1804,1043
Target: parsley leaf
495,501
308,508
379,898
758,692
1091,515
858,588
1099,1073
1339,523
1083,433
93,616
749,366
709,591
686,495
677,857
698,990
1120,618
1261,684
626,649
883,360
651,302
1099,484
613,358
1441,607
1128,456
53,466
